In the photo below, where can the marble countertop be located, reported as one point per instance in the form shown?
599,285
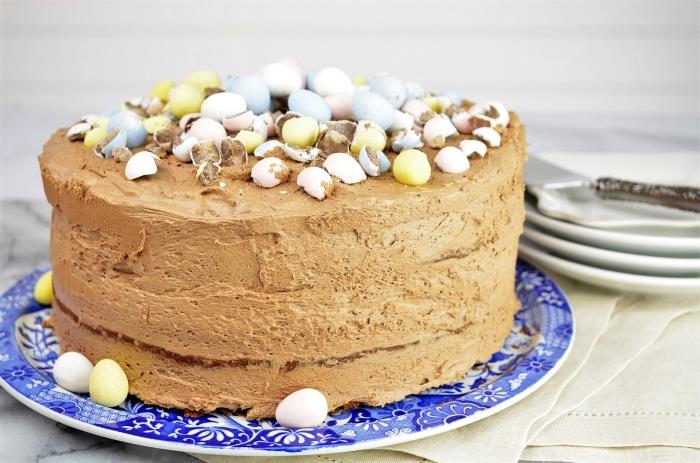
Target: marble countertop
24,224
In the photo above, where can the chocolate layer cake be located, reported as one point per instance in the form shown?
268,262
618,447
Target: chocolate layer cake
230,295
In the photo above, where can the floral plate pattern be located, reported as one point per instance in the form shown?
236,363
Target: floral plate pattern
538,343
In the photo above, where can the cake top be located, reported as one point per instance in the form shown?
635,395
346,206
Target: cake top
321,130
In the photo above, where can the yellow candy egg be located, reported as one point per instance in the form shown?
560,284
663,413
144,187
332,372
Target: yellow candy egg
371,137
108,383
300,131
43,289
161,89
101,121
250,140
411,167
360,79
185,99
95,135
154,123
203,79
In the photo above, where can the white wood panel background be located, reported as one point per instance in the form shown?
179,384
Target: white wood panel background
538,56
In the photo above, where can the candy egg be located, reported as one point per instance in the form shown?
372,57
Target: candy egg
452,160
310,77
114,139
77,131
250,140
222,104
316,182
406,139
253,90
305,408
373,162
185,99
301,154
462,122
161,89
269,121
187,120
94,136
368,135
281,79
308,103
488,136
239,122
182,150
72,372
345,167
453,96
437,130
154,123
420,111
203,79
205,129
414,90
300,131
270,172
373,107
439,104
359,80
341,106
43,289
389,87
402,121
131,124
412,167
332,81
269,148
470,147
493,109
108,384
141,164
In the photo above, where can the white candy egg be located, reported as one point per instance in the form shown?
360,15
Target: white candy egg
72,371
141,164
470,147
402,121
437,130
418,109
222,104
488,136
345,167
316,182
282,79
333,81
462,122
238,122
269,124
452,160
182,151
270,172
341,106
305,408
206,129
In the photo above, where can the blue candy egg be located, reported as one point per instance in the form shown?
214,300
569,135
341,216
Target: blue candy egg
308,103
119,140
310,77
389,87
414,91
253,90
373,107
131,125
453,96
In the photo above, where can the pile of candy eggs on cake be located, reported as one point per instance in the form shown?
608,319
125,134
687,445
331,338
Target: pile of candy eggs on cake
339,129
108,385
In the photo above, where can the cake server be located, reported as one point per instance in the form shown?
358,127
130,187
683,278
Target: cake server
545,175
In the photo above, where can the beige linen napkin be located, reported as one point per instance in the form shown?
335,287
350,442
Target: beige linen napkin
627,392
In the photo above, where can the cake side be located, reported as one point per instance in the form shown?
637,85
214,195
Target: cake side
234,298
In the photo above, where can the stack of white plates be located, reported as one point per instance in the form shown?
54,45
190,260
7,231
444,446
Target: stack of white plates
620,245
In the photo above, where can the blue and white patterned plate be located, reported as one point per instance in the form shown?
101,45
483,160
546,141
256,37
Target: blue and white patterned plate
534,350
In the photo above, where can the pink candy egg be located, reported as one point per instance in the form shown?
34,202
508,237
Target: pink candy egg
205,129
341,106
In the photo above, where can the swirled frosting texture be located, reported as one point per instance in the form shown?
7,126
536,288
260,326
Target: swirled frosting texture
232,297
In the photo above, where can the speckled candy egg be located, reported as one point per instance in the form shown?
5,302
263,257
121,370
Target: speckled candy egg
270,172
205,129
253,90
332,81
222,104
72,372
281,79
389,87
373,107
131,125
308,103
108,383
305,408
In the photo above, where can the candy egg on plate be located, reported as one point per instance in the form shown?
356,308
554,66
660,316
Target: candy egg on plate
305,408
72,372
108,384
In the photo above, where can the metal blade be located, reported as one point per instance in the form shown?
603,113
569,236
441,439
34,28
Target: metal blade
543,174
